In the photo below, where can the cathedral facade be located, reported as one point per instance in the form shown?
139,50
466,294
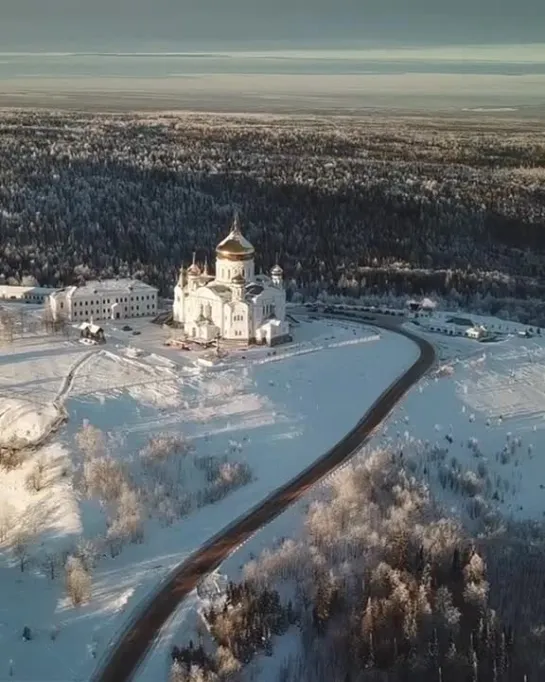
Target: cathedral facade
235,304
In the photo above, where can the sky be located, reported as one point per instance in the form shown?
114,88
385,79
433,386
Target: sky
178,25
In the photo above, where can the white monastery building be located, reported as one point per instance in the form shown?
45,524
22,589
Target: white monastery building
36,295
236,304
110,299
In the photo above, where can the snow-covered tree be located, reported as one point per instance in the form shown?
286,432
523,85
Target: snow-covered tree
78,581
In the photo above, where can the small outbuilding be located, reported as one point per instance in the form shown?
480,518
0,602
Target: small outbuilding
273,332
91,331
477,332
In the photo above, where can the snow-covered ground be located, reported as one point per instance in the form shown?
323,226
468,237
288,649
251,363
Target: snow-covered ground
274,411
35,374
483,411
473,429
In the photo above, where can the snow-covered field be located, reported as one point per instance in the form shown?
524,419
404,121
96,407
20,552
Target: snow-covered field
473,429
479,421
34,378
271,411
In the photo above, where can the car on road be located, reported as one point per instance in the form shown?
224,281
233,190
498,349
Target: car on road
136,333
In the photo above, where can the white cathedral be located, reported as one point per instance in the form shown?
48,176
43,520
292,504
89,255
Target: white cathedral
236,304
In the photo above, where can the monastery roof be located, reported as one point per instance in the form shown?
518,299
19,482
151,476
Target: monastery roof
107,286
272,322
254,289
9,289
220,289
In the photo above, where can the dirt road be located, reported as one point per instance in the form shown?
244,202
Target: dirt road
121,662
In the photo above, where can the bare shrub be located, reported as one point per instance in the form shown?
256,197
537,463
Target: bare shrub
470,484
35,480
103,478
7,518
227,664
482,470
7,327
11,456
505,455
87,552
160,448
192,664
178,672
78,581
91,441
127,525
51,562
228,476
21,548
477,507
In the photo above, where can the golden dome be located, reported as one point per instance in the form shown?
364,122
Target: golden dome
235,246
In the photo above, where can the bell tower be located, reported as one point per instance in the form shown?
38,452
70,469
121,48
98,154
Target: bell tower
178,307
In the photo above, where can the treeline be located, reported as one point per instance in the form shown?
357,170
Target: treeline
379,588
347,206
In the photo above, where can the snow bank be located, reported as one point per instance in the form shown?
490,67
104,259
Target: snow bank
24,422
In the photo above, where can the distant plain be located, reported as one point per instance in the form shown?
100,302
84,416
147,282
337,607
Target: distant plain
507,81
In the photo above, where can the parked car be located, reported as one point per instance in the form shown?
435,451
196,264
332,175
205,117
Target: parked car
135,333
126,328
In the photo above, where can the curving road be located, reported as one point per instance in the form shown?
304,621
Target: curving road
122,660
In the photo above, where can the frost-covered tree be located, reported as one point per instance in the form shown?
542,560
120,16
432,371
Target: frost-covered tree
91,440
78,581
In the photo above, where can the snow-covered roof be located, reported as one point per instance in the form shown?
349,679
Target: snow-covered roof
224,292
428,303
112,286
272,323
93,328
19,290
254,289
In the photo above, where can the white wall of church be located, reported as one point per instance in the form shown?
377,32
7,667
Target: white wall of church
237,321
227,269
178,311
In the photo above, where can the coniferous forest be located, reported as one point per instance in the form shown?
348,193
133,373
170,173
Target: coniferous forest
349,206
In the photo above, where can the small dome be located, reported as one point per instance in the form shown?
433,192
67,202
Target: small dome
194,270
277,270
238,279
206,273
